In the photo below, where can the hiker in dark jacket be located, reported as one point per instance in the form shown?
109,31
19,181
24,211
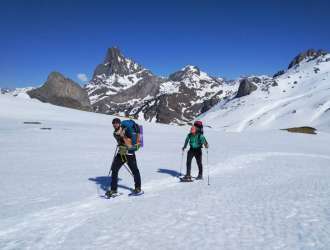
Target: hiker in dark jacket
127,146
196,141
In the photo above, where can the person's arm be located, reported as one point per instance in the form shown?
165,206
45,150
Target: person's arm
117,137
204,141
186,142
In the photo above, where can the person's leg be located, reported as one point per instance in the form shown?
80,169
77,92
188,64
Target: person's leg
198,156
131,162
116,165
189,158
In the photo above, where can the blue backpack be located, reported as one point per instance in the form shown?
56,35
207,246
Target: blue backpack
135,130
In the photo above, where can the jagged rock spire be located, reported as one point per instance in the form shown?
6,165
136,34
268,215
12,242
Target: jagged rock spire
116,63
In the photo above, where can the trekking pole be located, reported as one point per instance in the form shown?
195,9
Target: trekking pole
113,160
181,163
208,168
128,170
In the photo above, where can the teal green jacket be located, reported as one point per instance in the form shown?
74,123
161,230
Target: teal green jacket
195,141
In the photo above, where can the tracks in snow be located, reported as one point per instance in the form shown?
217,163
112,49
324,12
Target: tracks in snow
50,227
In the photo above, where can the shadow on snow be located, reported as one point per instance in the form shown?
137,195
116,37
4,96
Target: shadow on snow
104,182
171,172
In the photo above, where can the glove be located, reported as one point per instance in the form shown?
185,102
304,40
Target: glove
122,150
137,146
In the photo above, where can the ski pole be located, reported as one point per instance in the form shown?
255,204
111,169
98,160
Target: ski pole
208,168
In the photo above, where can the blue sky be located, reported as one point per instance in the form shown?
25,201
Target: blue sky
223,38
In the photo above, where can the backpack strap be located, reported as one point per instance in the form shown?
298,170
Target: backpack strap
199,140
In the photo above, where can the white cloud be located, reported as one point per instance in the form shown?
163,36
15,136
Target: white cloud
82,77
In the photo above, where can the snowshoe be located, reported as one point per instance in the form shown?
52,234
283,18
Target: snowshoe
136,192
111,194
186,178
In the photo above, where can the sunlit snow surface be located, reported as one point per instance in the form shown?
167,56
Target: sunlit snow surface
268,190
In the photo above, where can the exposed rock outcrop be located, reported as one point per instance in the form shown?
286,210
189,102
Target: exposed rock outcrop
62,91
310,54
246,87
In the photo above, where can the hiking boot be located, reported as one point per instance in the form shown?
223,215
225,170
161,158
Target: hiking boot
111,193
137,190
186,178
199,177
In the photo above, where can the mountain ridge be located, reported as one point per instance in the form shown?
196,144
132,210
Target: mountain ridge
121,86
119,91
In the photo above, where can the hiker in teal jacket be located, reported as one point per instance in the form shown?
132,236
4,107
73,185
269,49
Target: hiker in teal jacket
196,141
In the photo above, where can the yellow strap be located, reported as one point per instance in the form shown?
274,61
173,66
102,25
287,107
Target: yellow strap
123,157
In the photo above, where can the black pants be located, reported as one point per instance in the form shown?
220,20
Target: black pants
197,153
116,165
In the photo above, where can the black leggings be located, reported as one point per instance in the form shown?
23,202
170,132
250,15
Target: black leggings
116,165
197,153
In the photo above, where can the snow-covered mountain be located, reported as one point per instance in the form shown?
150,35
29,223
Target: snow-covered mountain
121,86
184,95
17,92
4,90
299,96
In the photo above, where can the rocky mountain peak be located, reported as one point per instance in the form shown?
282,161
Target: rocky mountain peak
55,77
191,69
185,72
309,54
112,55
115,63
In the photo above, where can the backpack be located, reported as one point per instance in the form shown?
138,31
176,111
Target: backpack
136,130
199,126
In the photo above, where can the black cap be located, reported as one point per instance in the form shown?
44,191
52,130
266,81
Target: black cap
116,120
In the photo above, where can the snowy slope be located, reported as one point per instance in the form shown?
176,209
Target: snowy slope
302,98
262,195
